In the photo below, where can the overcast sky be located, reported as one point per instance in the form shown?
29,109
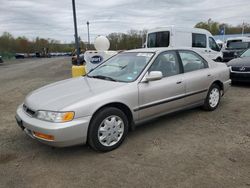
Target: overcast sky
53,19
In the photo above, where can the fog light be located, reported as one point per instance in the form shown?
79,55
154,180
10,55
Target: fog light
44,136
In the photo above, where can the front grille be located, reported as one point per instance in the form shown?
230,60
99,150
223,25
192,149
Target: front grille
242,77
241,69
28,110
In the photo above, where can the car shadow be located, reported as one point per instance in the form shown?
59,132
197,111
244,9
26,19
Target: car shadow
241,84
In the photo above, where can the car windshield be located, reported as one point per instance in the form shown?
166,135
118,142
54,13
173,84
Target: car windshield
246,53
124,67
237,45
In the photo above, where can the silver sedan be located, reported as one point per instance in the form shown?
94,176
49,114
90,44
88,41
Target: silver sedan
134,86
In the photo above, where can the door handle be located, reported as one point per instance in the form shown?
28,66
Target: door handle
179,82
209,75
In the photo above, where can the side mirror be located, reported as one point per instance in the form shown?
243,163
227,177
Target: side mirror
153,75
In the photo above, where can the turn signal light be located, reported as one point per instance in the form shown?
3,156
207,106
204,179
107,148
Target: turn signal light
68,116
44,136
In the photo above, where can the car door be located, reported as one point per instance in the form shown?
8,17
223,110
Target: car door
197,76
214,50
164,95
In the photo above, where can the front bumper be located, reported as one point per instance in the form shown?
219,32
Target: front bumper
240,76
65,134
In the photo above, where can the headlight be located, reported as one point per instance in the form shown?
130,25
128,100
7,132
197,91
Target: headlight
57,117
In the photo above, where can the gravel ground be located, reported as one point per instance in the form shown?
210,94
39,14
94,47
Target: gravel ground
188,149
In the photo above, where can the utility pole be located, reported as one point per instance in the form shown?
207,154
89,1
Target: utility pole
209,24
224,32
76,34
142,39
243,28
88,34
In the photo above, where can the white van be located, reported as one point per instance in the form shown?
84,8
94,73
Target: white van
200,40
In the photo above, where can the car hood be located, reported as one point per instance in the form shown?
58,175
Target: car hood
61,94
242,61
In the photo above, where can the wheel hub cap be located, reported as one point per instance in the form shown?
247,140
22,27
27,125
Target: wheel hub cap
110,130
214,97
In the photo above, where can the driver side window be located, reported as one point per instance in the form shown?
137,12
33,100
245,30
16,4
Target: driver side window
167,63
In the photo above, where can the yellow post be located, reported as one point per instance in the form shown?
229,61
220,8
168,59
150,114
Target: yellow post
78,70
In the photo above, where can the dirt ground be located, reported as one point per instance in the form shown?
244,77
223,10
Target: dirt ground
188,149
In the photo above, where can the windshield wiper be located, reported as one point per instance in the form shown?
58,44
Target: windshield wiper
103,77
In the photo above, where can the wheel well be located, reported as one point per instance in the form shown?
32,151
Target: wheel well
220,84
123,108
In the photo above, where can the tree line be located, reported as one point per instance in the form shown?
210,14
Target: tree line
135,39
217,28
131,40
10,45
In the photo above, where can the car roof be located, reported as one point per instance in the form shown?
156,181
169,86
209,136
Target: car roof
157,50
179,28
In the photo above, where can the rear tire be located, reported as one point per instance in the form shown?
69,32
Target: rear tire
108,129
213,98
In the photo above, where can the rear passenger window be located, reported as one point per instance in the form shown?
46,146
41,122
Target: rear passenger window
167,63
192,61
199,40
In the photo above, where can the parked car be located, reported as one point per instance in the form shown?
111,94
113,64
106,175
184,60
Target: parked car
81,58
129,88
20,56
240,68
234,47
200,40
1,59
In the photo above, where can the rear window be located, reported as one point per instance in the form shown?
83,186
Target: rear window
199,40
158,39
192,61
237,44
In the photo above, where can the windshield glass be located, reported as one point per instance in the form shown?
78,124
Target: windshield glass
246,53
124,67
237,45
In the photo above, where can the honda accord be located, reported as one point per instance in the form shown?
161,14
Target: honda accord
134,86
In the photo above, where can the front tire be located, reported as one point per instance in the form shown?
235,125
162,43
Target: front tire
108,129
213,98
